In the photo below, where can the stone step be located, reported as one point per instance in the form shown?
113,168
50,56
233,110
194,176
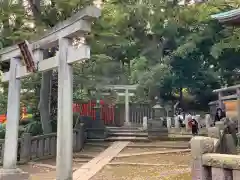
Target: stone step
161,144
127,138
170,138
98,144
81,160
129,134
84,156
95,140
93,149
125,130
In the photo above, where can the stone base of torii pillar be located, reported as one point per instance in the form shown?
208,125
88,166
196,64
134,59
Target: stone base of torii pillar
13,174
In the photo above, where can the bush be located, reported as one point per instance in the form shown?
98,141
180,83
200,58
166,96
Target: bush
34,127
2,133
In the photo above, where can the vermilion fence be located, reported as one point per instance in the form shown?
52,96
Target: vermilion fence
107,113
111,115
85,109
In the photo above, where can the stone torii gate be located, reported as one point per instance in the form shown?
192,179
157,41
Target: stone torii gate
61,35
127,94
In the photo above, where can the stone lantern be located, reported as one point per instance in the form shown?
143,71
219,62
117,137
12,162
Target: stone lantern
158,111
155,125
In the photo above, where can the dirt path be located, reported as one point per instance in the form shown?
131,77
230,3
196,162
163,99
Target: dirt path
153,167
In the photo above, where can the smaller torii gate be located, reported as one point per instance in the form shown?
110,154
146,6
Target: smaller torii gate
127,94
61,35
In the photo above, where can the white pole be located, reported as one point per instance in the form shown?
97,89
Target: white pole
13,117
65,114
208,121
126,107
176,122
145,123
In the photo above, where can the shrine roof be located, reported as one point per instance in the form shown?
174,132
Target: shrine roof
230,17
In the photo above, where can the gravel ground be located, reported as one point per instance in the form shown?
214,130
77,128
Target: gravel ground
172,158
184,176
137,172
125,172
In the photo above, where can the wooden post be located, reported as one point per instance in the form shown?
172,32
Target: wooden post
65,114
79,136
13,116
238,108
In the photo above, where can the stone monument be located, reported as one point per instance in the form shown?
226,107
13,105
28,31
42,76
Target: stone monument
155,125
208,121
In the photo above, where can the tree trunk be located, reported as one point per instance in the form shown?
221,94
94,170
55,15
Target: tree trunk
54,95
45,101
181,98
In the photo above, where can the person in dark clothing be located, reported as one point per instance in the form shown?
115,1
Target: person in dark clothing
194,125
219,115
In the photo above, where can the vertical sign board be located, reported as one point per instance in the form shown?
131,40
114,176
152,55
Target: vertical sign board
27,56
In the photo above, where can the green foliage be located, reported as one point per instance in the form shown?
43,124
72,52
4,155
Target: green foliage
34,127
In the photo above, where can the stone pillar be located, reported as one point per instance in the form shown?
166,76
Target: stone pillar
169,122
238,108
236,174
220,103
221,174
208,121
187,118
198,119
65,114
25,147
220,125
214,132
13,117
98,110
127,122
145,123
176,120
9,170
199,146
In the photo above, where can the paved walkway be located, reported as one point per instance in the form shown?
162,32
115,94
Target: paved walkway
88,170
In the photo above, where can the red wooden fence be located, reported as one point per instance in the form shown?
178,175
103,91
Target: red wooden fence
87,109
